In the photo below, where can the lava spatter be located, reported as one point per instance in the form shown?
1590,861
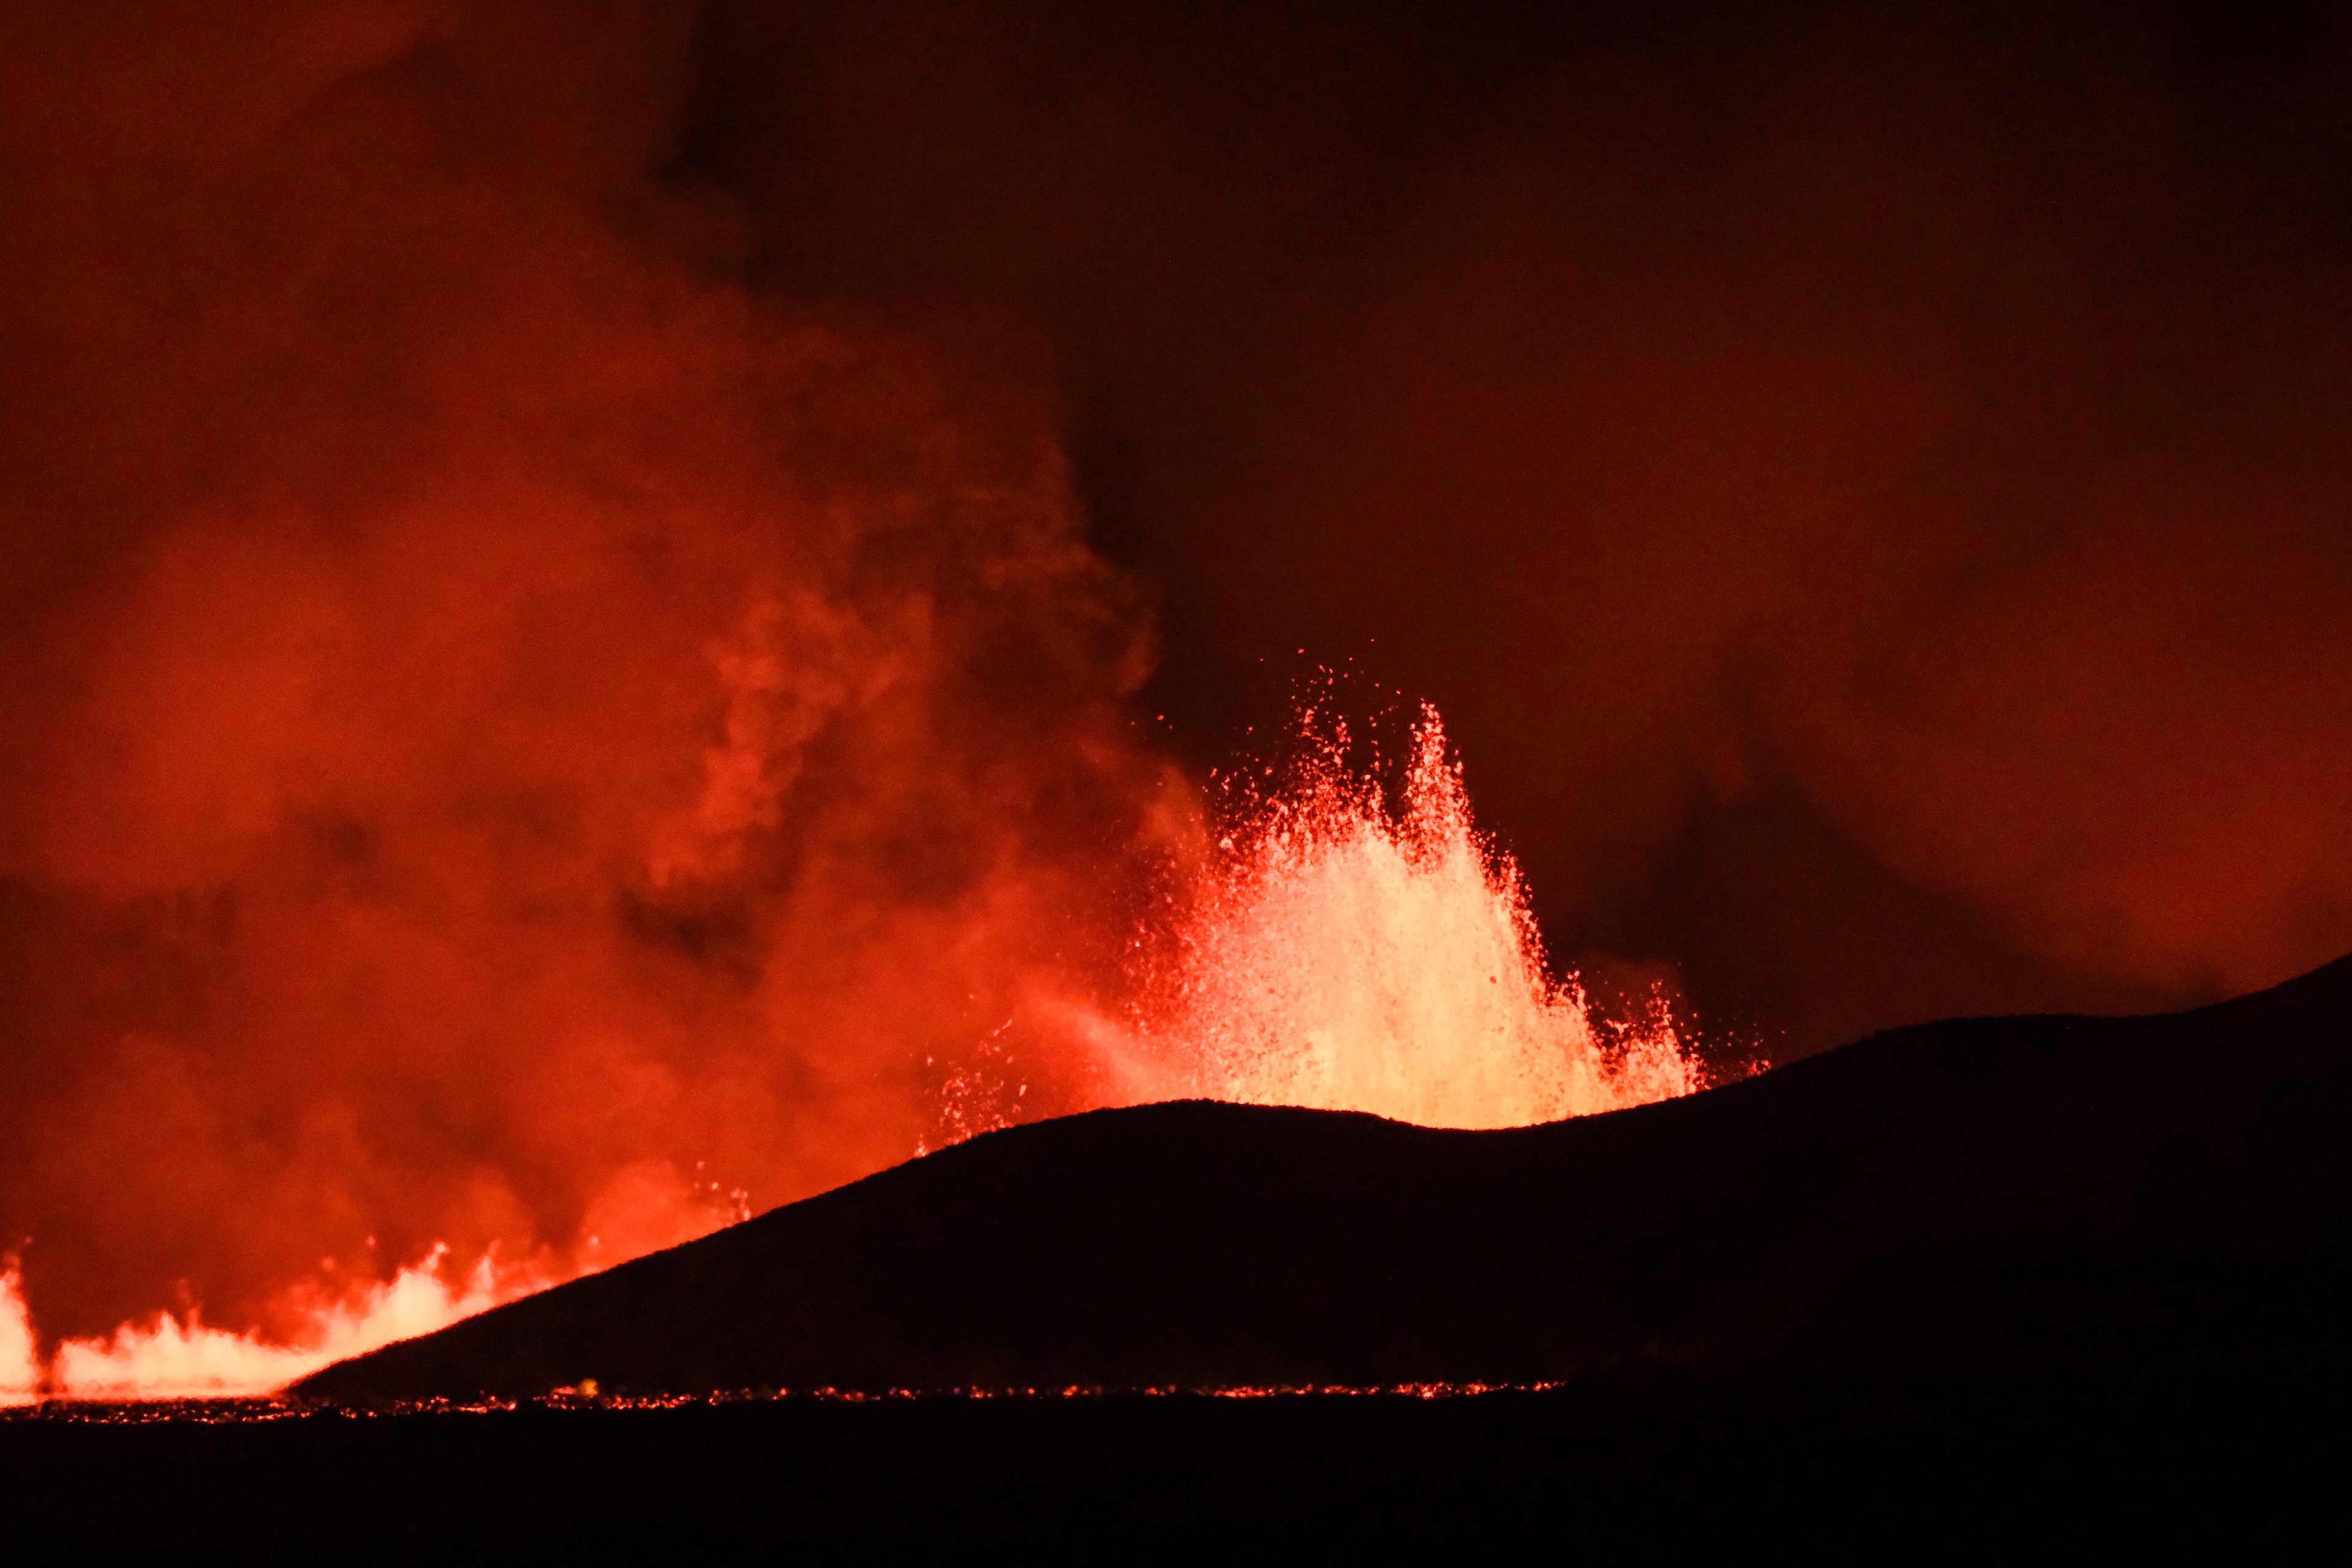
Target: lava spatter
1343,955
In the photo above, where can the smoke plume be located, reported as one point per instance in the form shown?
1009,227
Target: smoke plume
514,741
1866,485
606,607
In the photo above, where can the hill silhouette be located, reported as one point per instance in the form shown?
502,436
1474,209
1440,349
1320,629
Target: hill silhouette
1990,1198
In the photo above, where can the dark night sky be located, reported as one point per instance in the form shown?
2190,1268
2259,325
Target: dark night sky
1864,486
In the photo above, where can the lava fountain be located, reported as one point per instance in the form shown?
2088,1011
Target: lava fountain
166,1358
1344,956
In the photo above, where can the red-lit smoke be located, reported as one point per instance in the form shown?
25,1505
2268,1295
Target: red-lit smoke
520,746
558,663
1864,483
511,741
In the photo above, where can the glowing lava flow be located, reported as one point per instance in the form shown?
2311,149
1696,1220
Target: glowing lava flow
20,1368
1346,958
165,1359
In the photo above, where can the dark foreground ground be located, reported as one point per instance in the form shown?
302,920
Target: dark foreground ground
2219,1462
1960,1291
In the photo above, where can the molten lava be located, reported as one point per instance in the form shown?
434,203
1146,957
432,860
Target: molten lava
1332,953
166,1359
1346,958
20,1368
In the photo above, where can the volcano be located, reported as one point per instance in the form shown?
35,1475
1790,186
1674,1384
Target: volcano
2019,1197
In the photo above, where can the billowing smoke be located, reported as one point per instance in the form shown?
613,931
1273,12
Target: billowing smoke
512,740
1866,485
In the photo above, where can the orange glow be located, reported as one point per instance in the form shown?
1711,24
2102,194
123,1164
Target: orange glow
167,1359
20,1368
1332,953
587,1395
568,664
644,1209
1344,957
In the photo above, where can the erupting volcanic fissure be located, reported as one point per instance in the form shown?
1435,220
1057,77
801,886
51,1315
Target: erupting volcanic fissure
1345,957
1331,952
166,1358
611,613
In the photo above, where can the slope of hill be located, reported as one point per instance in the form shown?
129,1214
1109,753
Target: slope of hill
1977,1197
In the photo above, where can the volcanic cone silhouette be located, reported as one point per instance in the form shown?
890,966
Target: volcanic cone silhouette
1958,1197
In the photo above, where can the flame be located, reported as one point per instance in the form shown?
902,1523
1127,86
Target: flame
166,1359
644,1208
20,1368
1342,957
